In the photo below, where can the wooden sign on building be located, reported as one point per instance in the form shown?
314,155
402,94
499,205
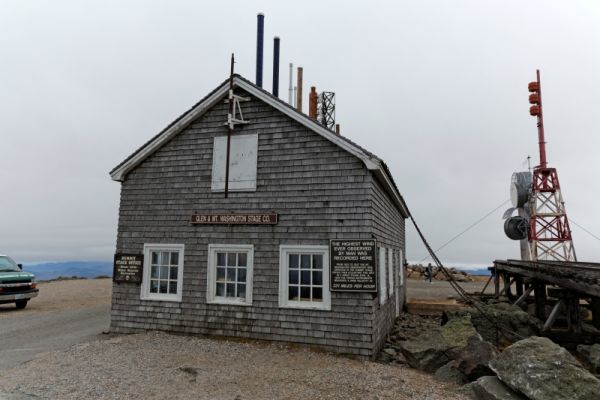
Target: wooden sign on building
128,268
235,219
353,265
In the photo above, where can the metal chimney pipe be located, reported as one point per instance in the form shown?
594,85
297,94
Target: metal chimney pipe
299,90
260,36
276,66
337,129
290,88
312,103
295,96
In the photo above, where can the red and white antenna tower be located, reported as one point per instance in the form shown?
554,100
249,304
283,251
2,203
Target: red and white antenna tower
549,232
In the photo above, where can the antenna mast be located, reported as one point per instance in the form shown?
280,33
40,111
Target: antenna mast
549,231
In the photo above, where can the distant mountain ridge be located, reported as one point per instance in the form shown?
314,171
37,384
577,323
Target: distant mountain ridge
79,269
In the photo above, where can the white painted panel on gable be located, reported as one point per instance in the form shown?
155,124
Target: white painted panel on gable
243,157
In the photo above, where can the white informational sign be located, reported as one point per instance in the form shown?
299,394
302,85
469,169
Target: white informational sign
243,155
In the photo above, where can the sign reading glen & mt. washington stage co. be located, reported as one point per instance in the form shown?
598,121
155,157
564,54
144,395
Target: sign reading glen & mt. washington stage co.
353,265
235,219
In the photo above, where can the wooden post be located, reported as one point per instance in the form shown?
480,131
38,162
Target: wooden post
540,299
519,285
595,312
496,283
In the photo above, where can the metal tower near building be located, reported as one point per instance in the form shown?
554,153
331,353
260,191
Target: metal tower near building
549,231
326,109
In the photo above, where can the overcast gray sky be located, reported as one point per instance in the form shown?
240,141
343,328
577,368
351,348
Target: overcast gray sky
438,89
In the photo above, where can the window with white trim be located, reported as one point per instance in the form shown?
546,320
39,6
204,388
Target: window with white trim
304,277
230,270
382,276
163,272
390,266
243,155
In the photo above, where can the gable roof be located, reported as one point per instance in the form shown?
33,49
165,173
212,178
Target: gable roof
371,161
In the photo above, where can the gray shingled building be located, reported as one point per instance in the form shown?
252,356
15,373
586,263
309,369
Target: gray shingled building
265,262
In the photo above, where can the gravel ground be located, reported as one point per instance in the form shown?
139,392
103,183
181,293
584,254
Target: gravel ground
157,366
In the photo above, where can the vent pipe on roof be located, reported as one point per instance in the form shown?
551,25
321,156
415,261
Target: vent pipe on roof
299,90
276,66
260,36
295,96
337,129
290,87
312,103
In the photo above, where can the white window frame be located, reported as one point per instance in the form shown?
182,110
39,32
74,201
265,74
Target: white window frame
382,276
252,159
211,297
284,302
391,272
145,289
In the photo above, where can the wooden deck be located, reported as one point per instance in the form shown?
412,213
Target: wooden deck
564,294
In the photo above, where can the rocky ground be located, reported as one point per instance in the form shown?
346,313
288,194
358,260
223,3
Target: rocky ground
420,272
495,353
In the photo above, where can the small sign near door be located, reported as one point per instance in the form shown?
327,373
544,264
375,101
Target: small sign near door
128,268
353,265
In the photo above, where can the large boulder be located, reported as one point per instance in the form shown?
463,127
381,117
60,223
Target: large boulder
436,347
591,354
503,323
473,361
542,370
491,388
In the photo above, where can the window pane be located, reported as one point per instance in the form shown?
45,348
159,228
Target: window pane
163,286
231,259
317,261
154,257
305,278
164,272
220,289
220,274
241,290
174,258
293,261
230,290
317,293
293,276
221,259
293,293
164,257
173,287
154,272
242,259
173,274
230,274
304,293
305,261
317,277
241,277
153,286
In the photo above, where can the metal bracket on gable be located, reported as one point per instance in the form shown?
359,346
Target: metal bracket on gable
236,110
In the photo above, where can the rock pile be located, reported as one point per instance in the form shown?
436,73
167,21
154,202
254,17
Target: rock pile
462,347
419,272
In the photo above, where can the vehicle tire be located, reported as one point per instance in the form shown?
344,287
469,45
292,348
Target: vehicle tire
21,304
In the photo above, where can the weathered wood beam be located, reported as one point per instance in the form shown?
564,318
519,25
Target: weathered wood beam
524,295
595,306
567,283
552,317
540,299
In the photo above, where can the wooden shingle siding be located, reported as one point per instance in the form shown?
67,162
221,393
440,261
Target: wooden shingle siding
388,228
320,192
